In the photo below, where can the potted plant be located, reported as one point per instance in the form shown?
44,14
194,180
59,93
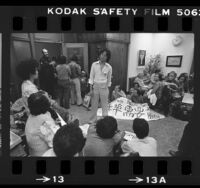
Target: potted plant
153,65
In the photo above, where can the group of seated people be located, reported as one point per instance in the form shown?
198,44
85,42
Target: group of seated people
156,89
46,137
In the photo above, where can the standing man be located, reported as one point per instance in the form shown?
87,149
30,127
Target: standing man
75,76
47,72
100,81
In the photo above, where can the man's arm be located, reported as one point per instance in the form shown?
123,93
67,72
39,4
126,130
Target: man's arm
69,70
79,69
91,79
109,77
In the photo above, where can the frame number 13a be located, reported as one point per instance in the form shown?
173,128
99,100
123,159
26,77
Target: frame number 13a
155,180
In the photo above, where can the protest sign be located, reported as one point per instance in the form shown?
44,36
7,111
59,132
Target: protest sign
123,108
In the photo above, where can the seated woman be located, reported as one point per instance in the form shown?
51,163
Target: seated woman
139,80
171,79
28,71
144,81
143,144
158,71
67,142
102,138
156,92
170,91
183,83
40,126
117,93
147,79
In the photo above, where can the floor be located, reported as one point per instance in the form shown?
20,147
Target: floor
167,131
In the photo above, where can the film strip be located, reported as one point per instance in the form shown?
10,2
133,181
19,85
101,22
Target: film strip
28,30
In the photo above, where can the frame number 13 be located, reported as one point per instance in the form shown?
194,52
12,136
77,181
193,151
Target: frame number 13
58,179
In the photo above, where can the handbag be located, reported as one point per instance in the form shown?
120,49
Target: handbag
86,101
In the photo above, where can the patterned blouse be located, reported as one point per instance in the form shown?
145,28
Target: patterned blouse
27,89
39,133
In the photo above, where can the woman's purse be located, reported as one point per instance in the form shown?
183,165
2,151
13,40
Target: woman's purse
86,101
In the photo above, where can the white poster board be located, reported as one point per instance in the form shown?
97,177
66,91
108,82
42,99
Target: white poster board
123,108
188,98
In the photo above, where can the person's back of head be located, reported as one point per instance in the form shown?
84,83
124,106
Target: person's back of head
106,127
38,103
62,60
26,68
68,141
74,58
140,128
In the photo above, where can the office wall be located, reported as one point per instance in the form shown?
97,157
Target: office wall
160,43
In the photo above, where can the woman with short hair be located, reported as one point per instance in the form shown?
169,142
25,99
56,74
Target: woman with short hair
40,126
27,70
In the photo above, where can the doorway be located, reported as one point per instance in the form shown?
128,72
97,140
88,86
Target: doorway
78,49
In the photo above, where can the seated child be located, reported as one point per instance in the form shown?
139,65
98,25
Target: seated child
131,90
137,95
117,93
102,138
67,142
143,144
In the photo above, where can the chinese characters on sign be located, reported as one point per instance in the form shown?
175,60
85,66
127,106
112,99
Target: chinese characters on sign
123,108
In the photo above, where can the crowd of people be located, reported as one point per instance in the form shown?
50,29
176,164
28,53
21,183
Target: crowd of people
62,78
157,90
45,81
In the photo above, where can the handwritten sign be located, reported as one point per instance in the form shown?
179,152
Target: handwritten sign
123,108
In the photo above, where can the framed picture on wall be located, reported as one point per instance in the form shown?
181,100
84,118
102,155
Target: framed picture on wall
174,61
141,58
